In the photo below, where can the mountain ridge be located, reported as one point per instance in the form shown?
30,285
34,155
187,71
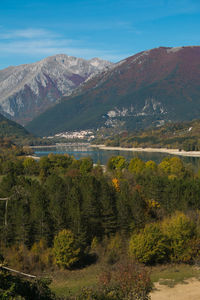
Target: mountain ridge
153,86
29,89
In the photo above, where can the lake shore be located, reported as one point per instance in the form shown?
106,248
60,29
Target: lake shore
43,146
158,150
60,145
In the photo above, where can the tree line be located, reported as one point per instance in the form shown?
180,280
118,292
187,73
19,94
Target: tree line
60,210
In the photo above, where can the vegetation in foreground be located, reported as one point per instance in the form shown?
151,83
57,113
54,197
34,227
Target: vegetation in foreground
14,287
64,213
69,282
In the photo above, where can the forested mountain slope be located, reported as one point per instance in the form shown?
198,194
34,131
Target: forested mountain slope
13,131
182,135
151,87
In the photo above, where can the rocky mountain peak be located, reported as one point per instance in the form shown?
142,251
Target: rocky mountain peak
29,89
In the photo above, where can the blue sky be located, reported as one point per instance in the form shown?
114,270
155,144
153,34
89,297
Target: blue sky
110,29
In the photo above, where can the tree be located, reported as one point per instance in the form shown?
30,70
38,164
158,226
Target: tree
56,191
44,165
151,166
30,166
150,246
173,167
136,165
66,251
86,165
117,163
108,208
179,230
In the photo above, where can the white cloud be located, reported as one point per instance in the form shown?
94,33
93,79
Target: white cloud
99,26
38,43
27,33
49,47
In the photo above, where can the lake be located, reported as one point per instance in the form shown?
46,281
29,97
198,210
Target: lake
102,156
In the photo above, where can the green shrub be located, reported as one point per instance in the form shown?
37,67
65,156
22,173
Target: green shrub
150,246
179,230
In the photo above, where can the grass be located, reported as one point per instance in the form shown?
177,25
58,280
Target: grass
70,282
67,283
171,275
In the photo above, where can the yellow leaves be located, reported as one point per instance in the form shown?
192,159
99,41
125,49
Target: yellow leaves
172,177
117,163
173,167
65,249
136,165
115,183
179,230
41,254
152,203
149,245
151,165
94,243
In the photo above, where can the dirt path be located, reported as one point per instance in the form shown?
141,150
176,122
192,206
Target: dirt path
188,291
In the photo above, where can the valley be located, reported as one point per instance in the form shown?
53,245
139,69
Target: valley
129,206
99,150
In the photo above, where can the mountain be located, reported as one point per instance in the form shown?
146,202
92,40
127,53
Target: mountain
27,90
179,135
13,131
151,87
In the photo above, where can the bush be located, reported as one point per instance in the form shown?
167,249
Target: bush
65,249
128,281
14,287
115,249
41,256
38,258
150,246
179,230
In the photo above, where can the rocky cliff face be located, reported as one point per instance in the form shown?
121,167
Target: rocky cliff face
151,87
28,90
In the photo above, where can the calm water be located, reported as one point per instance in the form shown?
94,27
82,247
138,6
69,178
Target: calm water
102,156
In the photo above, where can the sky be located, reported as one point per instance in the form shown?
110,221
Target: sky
109,29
